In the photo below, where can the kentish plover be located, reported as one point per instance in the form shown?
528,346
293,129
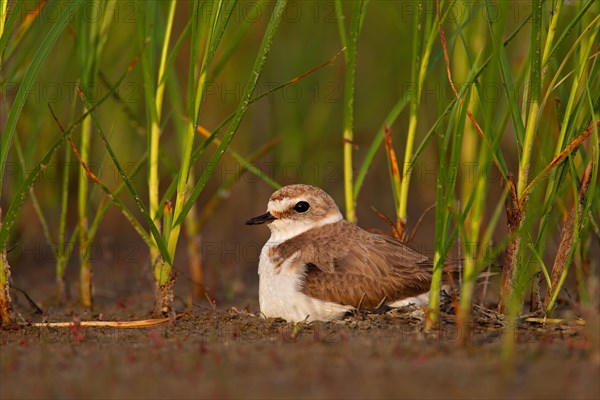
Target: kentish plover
318,266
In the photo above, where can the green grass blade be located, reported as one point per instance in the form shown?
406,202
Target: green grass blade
176,48
339,12
535,91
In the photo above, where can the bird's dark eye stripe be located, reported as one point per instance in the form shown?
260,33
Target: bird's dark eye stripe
301,206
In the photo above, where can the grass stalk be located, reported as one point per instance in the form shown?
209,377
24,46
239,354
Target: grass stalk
475,186
63,256
446,186
154,88
551,31
420,61
535,91
348,117
196,99
86,37
155,129
91,41
85,267
440,234
547,48
511,271
568,129
6,312
191,224
446,181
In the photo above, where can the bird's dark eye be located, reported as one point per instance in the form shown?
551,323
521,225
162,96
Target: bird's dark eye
301,206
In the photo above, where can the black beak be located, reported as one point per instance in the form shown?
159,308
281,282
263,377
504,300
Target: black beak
261,219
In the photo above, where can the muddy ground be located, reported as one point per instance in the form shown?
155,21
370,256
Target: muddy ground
230,353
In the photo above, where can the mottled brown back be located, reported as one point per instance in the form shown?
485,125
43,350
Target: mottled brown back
348,265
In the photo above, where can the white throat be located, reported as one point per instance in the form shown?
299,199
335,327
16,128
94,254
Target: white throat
285,229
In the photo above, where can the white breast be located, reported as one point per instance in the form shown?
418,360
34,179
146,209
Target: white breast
280,293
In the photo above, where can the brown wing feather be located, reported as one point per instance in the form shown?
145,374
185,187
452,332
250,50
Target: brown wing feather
354,289
372,269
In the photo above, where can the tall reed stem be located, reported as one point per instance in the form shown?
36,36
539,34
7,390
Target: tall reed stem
155,112
419,63
190,134
5,303
85,273
476,184
508,292
348,118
